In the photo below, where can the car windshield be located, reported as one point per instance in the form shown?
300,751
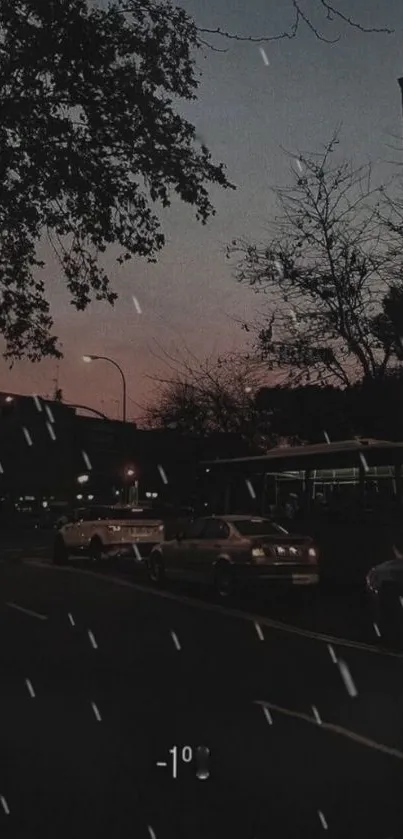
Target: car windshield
259,527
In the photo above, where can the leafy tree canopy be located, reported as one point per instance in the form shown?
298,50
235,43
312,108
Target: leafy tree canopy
89,134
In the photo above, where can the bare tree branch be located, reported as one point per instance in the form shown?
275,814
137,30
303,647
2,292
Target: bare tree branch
326,270
300,17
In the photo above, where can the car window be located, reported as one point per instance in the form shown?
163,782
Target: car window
259,527
90,514
194,529
216,529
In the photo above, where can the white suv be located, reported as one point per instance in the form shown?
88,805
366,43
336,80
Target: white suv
102,531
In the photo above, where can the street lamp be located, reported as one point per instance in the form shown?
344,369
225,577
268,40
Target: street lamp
89,358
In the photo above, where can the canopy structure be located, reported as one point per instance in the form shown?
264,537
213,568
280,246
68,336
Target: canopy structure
358,455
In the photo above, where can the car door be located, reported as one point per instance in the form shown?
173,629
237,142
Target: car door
214,540
181,553
72,530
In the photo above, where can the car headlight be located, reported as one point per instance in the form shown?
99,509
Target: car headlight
280,550
258,552
312,552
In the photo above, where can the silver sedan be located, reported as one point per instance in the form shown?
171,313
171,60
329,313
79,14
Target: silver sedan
227,550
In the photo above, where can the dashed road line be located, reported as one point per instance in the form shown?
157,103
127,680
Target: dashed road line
335,729
27,611
211,607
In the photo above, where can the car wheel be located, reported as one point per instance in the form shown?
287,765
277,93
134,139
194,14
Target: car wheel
224,580
60,553
156,570
96,550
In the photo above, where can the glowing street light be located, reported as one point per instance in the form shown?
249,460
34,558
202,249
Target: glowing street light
89,358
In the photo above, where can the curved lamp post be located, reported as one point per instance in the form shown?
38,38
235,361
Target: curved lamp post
89,358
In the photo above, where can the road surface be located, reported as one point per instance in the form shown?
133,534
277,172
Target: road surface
102,677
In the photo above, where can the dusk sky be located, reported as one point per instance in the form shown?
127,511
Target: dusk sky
245,112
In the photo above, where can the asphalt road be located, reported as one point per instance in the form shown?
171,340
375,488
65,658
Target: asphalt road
101,677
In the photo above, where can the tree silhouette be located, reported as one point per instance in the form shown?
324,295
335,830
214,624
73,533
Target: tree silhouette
89,136
327,275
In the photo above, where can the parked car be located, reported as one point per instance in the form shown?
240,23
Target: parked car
227,550
384,587
103,531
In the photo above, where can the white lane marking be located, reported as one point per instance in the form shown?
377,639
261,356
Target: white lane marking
347,678
71,619
175,640
325,434
377,630
401,601
1,470
323,820
4,805
151,832
335,729
316,715
96,711
211,607
333,655
268,715
30,688
27,611
37,402
259,631
92,639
